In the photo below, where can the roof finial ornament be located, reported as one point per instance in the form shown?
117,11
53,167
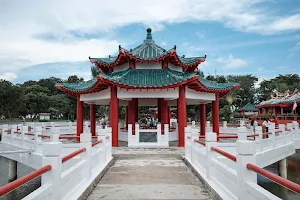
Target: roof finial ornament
174,47
183,56
109,56
119,47
205,56
149,35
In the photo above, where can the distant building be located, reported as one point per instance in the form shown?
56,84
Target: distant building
44,116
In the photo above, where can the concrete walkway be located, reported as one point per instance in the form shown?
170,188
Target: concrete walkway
149,174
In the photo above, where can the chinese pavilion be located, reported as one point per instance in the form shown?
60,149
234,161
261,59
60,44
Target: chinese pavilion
147,75
280,103
246,111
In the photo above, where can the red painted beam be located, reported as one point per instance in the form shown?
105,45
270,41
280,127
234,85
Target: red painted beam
224,153
72,155
281,181
17,183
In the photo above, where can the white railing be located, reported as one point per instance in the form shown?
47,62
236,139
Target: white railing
162,140
70,174
231,179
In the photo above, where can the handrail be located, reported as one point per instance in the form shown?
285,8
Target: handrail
202,143
73,137
72,155
228,136
68,137
95,143
223,153
281,181
20,181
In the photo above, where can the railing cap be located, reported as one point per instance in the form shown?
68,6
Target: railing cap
51,149
85,137
211,137
245,147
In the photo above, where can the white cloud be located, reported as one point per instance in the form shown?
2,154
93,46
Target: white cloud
231,62
200,35
8,76
22,21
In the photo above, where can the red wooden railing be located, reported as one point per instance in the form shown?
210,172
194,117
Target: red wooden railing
281,181
72,155
95,143
17,183
224,153
202,143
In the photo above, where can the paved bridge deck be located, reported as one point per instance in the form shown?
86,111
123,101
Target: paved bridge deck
149,174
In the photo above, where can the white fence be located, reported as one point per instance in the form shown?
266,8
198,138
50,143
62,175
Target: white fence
68,177
162,140
230,179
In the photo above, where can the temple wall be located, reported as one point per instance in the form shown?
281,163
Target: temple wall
174,67
121,67
148,65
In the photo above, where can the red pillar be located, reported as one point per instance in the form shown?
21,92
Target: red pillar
164,113
169,116
181,108
93,118
79,117
114,115
154,115
131,115
215,114
202,119
159,109
127,117
136,108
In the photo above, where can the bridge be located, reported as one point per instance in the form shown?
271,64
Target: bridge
227,164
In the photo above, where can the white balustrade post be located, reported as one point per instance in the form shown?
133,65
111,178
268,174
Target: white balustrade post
14,128
208,124
282,129
272,131
43,127
296,129
210,141
86,127
245,154
188,142
70,127
55,134
290,131
193,124
225,124
137,133
23,130
32,125
166,134
37,132
130,139
158,133
108,133
101,158
258,130
4,133
86,142
242,133
52,156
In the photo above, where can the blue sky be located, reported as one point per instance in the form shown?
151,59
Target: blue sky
54,38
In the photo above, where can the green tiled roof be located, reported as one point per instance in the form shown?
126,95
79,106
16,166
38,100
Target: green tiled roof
78,87
109,60
148,51
248,107
213,85
278,101
148,77
189,60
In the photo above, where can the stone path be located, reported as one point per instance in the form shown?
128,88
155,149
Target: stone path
149,174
